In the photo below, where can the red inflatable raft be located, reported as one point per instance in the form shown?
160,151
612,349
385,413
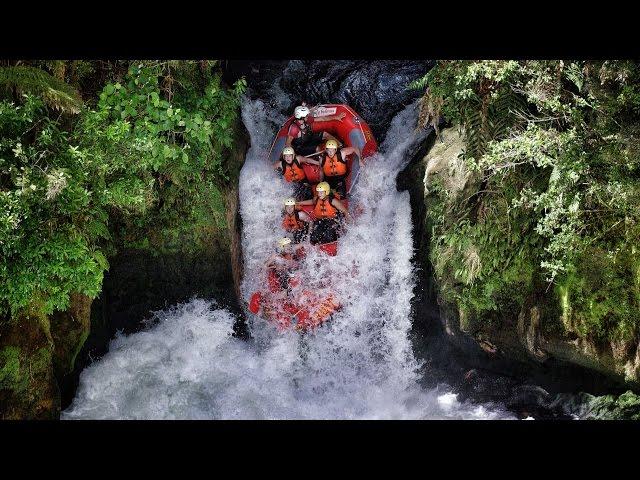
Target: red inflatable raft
310,310
352,131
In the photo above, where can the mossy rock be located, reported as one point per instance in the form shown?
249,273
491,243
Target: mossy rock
10,371
28,389
69,330
600,298
610,407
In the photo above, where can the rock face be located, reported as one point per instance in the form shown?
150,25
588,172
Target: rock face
69,330
261,75
36,353
376,89
530,336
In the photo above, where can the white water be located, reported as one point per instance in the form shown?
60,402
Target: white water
187,365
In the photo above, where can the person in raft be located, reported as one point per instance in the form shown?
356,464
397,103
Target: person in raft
305,133
327,211
334,169
285,261
295,222
290,165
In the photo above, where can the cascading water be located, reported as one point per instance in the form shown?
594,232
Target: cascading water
360,364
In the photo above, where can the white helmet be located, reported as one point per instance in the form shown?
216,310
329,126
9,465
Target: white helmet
301,111
290,201
283,242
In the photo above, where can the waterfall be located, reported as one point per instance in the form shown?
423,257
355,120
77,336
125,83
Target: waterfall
360,364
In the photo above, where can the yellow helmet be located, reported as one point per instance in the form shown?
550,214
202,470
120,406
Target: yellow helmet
283,242
290,201
288,151
331,144
323,187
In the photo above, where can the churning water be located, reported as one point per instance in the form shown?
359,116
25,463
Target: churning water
186,364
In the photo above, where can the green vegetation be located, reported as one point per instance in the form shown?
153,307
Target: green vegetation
25,383
554,212
10,376
141,163
57,94
611,407
97,158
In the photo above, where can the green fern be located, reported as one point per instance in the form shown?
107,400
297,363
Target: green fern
575,74
55,92
505,111
420,83
475,126
483,125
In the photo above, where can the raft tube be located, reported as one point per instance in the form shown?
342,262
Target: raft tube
352,131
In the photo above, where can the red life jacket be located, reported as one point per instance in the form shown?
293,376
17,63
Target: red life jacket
296,132
293,172
291,221
334,167
324,209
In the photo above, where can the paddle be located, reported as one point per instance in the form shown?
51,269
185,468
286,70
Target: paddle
318,153
314,154
294,320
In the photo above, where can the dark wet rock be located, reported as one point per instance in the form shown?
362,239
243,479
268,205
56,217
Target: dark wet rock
576,405
261,76
530,395
377,90
486,385
471,375
69,330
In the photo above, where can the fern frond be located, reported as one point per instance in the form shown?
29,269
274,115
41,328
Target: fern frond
56,93
419,83
575,74
474,128
485,121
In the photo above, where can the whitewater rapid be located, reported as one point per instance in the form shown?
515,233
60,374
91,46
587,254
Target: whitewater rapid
360,365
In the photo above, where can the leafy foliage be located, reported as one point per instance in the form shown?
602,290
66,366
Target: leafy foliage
556,147
478,96
55,92
142,168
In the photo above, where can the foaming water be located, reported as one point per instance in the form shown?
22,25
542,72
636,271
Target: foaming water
358,365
